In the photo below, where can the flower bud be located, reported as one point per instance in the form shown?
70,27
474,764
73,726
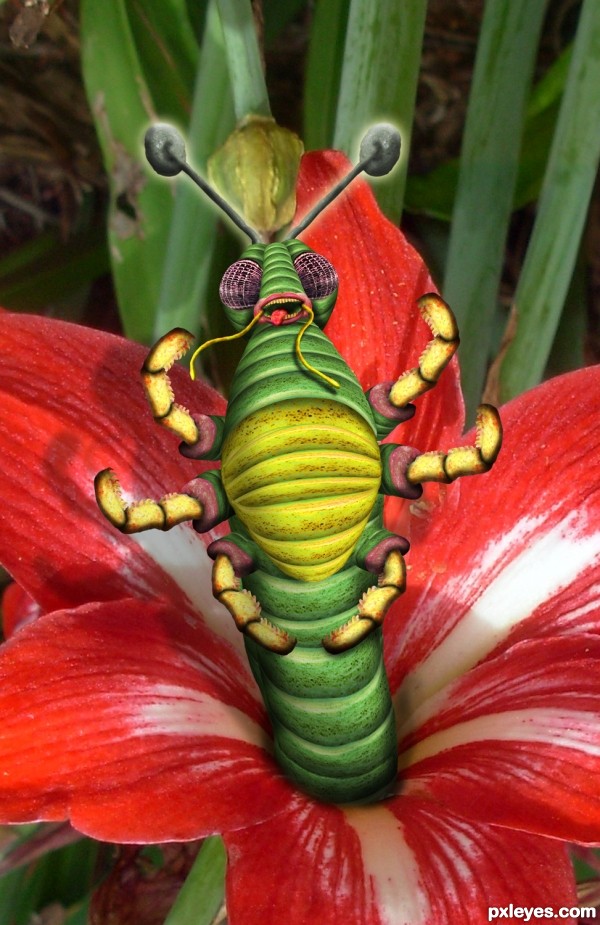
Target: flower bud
255,170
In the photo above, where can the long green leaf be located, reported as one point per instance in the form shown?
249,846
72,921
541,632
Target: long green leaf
201,896
122,104
568,184
380,70
434,193
243,59
488,170
184,298
323,72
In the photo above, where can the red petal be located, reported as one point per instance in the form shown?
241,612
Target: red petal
376,324
391,864
515,741
18,609
130,722
521,556
71,404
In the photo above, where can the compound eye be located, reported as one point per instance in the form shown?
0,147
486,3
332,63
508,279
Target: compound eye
317,275
240,286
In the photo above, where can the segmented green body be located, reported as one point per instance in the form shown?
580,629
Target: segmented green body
301,467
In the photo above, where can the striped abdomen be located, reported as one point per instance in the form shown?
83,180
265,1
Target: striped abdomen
303,475
332,716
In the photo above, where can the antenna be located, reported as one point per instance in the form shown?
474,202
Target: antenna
379,152
165,152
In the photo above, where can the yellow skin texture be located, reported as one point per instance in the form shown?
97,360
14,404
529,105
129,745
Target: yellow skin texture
281,479
306,506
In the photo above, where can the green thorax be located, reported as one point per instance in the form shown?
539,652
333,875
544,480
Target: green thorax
270,372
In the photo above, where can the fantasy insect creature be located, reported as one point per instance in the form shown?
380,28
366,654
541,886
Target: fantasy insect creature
302,482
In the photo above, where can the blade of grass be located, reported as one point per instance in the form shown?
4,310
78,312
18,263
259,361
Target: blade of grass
323,72
243,59
141,203
488,171
380,70
433,194
167,54
201,896
564,201
183,297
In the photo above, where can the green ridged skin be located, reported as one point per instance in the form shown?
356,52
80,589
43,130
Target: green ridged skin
332,716
301,467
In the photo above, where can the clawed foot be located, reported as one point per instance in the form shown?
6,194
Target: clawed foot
436,356
462,460
245,609
142,515
372,607
158,388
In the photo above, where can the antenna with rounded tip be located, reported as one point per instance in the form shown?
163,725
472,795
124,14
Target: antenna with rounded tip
165,151
379,151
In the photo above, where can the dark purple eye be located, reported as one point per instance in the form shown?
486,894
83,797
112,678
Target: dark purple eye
316,275
240,286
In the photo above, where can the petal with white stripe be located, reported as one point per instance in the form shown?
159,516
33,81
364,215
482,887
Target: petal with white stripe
515,741
521,560
405,862
131,723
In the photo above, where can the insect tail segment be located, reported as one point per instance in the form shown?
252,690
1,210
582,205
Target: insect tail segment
332,716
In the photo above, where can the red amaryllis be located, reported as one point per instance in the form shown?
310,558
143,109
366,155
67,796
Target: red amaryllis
127,703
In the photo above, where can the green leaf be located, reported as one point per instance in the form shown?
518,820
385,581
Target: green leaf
168,56
122,104
64,876
382,55
433,194
488,171
323,72
184,296
243,59
202,894
564,201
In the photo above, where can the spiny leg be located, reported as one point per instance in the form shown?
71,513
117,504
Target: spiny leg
163,514
166,412
462,460
436,356
245,609
372,607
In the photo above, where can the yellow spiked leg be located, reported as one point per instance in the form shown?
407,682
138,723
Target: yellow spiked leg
158,388
372,607
435,357
463,460
143,515
245,609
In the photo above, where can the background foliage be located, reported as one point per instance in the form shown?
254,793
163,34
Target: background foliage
498,104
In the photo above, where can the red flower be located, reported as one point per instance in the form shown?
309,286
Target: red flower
127,703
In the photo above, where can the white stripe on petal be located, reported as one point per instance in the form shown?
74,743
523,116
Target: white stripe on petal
179,711
390,866
182,554
548,563
571,729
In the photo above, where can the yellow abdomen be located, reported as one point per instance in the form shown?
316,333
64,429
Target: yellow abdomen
303,477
